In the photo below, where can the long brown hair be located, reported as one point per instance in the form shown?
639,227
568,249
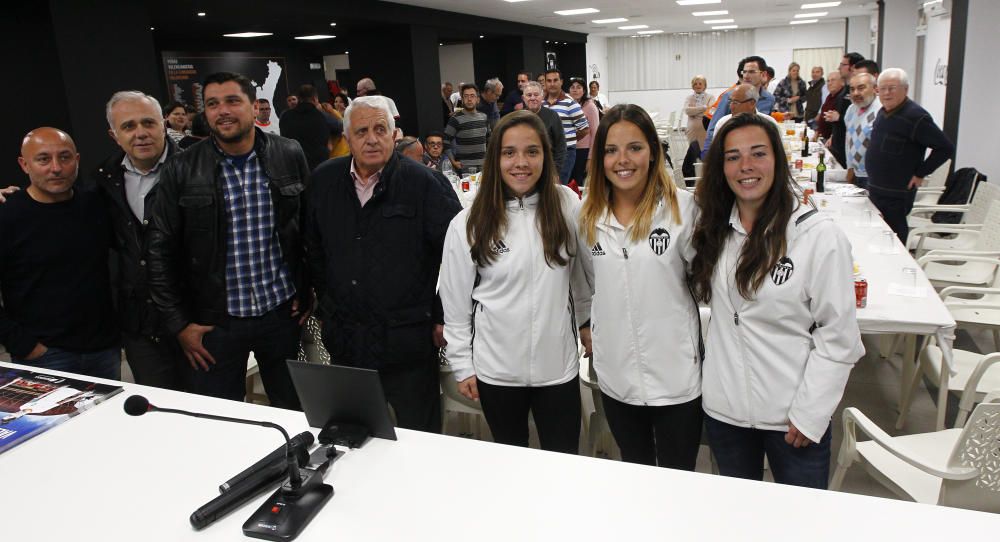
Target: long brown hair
765,244
659,184
488,216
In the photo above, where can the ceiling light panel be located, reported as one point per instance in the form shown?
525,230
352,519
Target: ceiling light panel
804,21
820,5
633,27
581,11
811,15
719,21
726,27
697,2
710,13
248,35
609,21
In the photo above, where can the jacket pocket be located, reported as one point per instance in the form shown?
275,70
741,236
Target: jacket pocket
408,336
197,211
291,190
399,211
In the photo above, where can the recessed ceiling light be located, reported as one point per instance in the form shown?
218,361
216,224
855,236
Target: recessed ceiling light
697,2
248,35
152,28
608,21
514,1
481,36
580,11
811,15
201,13
710,13
820,5
440,44
315,37
346,52
633,27
804,21
333,24
650,32
726,27
719,21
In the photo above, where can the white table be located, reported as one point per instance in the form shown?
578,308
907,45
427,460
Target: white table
886,313
108,476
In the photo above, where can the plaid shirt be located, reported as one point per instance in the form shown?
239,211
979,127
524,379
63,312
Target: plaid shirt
257,278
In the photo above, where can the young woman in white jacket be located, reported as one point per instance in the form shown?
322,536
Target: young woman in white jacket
636,228
507,279
784,335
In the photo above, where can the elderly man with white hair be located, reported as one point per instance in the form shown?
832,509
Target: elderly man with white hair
897,159
375,228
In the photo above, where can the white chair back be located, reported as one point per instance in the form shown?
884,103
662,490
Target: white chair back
939,177
989,236
977,447
981,201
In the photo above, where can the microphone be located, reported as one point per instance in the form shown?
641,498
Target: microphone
218,507
299,446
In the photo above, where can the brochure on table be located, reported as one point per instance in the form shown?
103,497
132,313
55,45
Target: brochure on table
32,403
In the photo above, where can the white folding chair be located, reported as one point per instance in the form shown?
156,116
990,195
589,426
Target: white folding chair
952,467
920,216
933,186
963,236
470,413
977,267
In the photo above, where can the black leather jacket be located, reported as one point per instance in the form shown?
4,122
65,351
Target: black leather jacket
136,311
186,240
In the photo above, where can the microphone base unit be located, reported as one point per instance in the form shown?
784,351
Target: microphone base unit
287,512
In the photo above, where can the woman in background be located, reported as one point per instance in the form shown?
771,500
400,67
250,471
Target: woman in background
789,94
577,90
694,107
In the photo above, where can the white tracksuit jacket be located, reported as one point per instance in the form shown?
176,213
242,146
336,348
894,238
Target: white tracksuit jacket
512,323
763,366
643,320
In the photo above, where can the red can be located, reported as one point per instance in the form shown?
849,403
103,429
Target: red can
861,293
805,195
465,185
798,164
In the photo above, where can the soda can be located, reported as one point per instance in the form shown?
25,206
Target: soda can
861,293
798,164
805,195
465,184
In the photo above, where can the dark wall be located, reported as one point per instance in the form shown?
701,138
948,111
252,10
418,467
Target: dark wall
103,47
37,95
490,60
426,80
388,59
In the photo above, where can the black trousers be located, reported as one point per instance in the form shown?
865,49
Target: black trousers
667,436
414,391
155,361
272,337
580,167
895,206
556,410
690,157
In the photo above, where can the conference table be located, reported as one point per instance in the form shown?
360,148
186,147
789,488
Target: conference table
104,475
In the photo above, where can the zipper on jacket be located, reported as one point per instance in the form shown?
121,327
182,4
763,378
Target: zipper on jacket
625,252
736,318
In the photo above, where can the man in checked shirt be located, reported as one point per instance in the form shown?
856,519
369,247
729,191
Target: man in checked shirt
225,255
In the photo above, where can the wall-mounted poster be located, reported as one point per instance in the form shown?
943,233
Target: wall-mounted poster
185,72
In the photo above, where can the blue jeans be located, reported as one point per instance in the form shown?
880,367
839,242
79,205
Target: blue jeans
567,170
100,364
739,452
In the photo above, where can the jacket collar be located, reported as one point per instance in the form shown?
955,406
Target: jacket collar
112,167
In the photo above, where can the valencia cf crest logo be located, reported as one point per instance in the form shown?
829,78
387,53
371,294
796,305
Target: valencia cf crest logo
782,271
500,247
659,240
597,250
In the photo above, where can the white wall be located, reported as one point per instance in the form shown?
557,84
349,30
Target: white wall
859,35
899,40
932,86
597,55
457,64
976,128
775,43
663,101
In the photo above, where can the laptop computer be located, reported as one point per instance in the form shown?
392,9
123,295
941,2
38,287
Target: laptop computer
339,394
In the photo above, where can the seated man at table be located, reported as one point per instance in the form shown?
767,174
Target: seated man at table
54,242
742,101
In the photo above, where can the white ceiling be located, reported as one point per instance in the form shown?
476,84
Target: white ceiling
658,14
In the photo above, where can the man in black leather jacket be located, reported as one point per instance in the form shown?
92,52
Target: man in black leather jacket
128,179
225,255
375,228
